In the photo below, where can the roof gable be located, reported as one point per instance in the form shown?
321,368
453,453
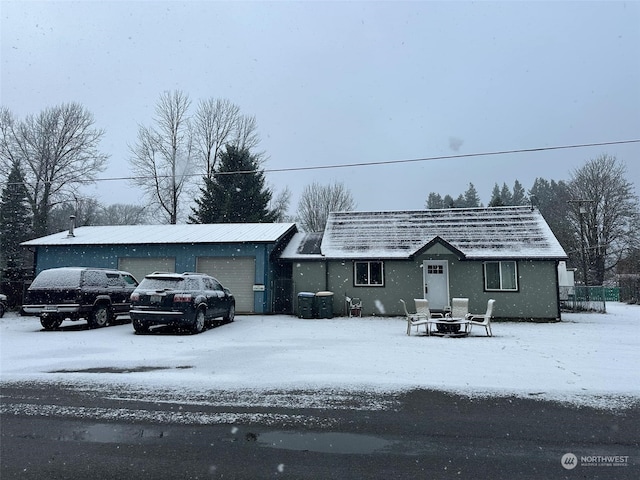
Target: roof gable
442,243
477,233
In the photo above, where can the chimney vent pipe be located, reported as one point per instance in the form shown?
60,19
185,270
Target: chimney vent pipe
72,224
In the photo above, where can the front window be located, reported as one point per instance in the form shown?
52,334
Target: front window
501,276
368,274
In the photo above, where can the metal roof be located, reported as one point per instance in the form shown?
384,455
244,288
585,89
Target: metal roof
476,233
152,234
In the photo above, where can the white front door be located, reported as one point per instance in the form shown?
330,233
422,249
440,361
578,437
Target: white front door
436,283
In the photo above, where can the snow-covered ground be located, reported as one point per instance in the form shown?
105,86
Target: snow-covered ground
587,359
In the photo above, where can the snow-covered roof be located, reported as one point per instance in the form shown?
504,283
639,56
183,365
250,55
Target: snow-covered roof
149,234
303,245
476,233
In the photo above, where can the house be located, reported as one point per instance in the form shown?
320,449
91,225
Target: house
506,253
241,256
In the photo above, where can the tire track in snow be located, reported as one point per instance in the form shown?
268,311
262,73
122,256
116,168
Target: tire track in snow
163,417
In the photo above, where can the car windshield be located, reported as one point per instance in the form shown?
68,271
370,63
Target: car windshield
67,278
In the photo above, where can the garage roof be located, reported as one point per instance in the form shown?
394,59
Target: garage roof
149,234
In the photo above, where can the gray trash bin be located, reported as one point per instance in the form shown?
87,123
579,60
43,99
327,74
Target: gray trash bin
324,304
306,304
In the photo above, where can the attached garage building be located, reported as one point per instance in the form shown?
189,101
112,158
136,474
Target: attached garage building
239,255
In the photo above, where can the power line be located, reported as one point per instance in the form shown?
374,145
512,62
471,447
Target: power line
412,160
383,162
448,157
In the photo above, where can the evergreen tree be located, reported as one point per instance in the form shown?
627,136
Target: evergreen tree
496,197
448,202
519,194
471,198
434,201
236,193
551,197
15,225
505,195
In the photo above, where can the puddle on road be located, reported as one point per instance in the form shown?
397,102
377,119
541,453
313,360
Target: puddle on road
106,433
330,442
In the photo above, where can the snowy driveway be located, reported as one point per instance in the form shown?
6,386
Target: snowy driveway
588,359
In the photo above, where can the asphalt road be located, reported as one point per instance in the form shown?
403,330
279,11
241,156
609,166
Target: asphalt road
102,432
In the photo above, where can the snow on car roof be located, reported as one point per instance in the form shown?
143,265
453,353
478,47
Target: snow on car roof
499,232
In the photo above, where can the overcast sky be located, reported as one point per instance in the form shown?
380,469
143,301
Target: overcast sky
348,82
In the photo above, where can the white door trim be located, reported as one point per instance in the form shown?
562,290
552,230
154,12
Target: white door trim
436,284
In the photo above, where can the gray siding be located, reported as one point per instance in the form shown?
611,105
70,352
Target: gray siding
536,298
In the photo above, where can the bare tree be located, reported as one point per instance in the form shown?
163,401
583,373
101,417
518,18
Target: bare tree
122,214
58,150
317,201
604,213
162,157
247,137
280,204
86,211
215,124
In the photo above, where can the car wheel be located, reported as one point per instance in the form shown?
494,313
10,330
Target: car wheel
50,323
230,314
99,317
198,322
140,327
2,309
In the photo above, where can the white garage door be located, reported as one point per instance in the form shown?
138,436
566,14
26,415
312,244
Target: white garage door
139,267
235,273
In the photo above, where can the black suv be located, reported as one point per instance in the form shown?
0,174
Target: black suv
96,294
183,299
3,304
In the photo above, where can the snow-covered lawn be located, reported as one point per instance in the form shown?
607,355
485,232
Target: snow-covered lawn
588,358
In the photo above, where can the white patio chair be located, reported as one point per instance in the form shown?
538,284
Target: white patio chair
483,320
422,307
423,311
460,309
414,320
354,306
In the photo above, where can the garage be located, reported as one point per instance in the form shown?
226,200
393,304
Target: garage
243,256
237,274
139,267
